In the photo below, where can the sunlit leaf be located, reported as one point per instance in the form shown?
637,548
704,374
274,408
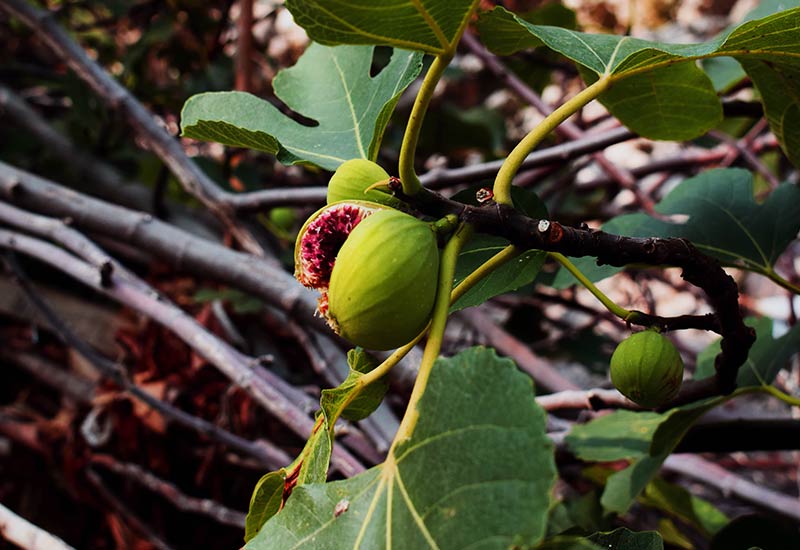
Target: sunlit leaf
332,87
476,472
425,25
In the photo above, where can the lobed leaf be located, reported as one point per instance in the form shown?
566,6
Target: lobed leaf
330,86
677,100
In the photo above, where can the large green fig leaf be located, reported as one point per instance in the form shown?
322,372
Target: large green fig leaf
430,26
476,472
724,221
766,358
331,86
657,88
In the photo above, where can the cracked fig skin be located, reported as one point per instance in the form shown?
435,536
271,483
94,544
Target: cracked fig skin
376,269
647,369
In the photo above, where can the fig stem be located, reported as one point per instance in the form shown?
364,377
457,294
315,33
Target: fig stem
411,183
441,309
625,314
502,182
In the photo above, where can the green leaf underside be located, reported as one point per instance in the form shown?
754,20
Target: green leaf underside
331,86
724,222
623,487
767,49
766,358
340,401
617,436
645,437
476,473
425,25
677,501
265,502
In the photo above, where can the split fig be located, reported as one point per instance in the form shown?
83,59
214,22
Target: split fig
355,180
376,269
647,369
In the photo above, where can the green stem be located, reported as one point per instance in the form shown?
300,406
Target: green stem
786,398
610,305
441,309
502,183
780,281
411,184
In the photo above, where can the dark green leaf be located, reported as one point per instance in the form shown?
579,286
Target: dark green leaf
757,531
766,358
476,472
625,539
427,25
766,48
331,86
724,221
511,276
516,273
568,543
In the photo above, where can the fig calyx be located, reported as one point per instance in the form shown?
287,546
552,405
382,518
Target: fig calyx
647,369
360,179
376,269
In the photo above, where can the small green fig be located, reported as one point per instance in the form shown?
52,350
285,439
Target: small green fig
647,369
376,269
353,179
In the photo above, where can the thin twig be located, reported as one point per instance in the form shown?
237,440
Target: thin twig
193,179
125,514
183,250
705,471
590,400
169,491
267,389
26,535
542,373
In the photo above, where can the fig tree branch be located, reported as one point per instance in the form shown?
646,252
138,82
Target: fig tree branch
171,492
698,269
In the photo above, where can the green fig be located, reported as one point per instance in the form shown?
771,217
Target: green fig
376,269
356,179
647,369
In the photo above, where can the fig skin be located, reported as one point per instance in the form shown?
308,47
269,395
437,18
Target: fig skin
383,284
647,369
352,179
